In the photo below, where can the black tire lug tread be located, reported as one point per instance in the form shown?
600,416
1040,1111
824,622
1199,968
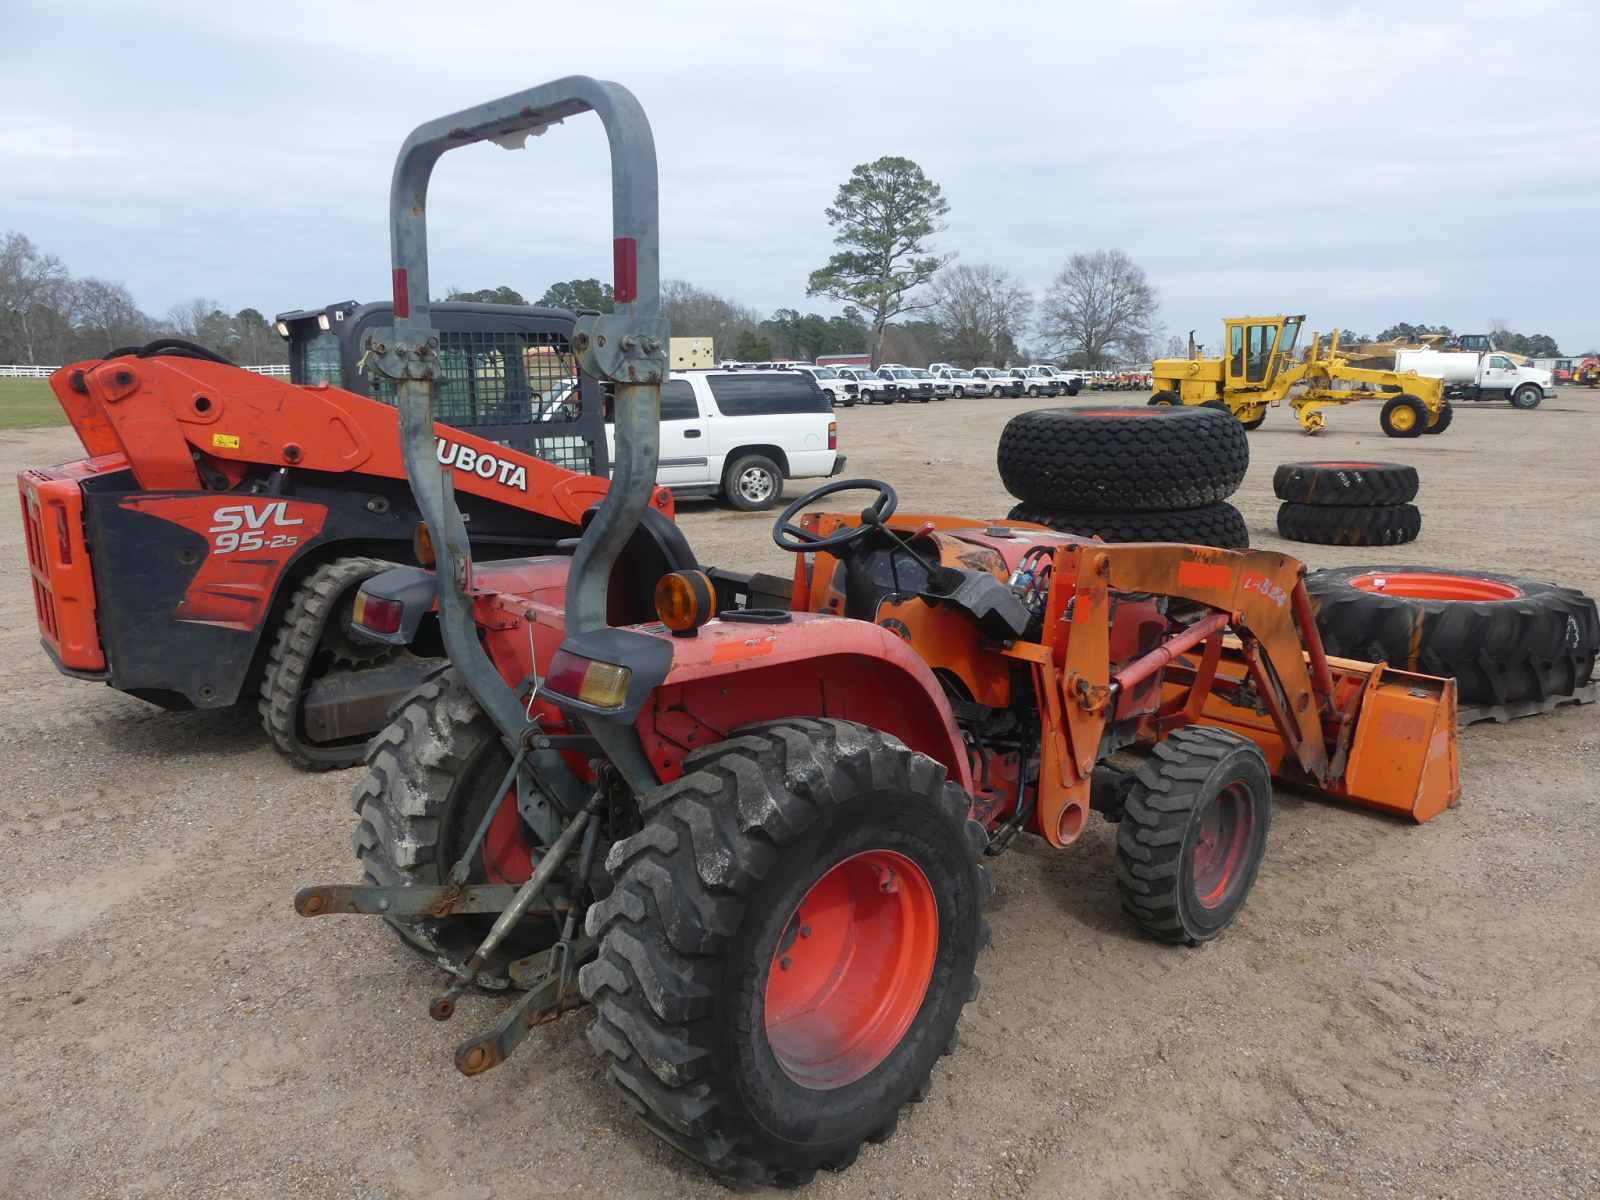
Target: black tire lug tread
1151,458
1499,652
1219,524
1323,483
1349,525
677,901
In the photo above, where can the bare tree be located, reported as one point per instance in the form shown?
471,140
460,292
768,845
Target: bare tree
1099,305
33,286
695,312
980,311
1177,347
105,315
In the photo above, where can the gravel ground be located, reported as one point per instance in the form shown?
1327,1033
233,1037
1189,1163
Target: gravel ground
1400,1010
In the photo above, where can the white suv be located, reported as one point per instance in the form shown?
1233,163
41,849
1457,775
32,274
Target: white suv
740,434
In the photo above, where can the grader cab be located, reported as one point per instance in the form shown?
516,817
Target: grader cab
1259,369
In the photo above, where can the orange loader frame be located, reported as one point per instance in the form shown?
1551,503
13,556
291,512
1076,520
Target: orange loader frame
1254,664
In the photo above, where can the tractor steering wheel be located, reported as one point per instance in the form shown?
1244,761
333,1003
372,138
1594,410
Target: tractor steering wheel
796,540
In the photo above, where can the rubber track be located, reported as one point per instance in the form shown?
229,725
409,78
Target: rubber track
1219,524
1345,483
1154,818
400,801
293,650
1127,460
709,838
1536,648
1353,525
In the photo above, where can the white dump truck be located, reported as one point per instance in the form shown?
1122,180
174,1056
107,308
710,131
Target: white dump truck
1485,376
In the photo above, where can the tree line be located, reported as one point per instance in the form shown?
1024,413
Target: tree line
49,317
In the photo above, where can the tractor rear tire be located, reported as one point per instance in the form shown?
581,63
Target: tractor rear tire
311,638
1345,483
1123,459
431,775
1403,417
1506,640
1219,524
1442,422
1352,525
743,1041
1192,834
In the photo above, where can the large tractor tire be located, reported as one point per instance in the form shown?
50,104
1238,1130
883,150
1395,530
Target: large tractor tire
1219,524
1345,483
1507,641
1438,424
1123,459
311,643
431,776
1192,834
1330,525
788,947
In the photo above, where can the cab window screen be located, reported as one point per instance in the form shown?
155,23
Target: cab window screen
1261,339
767,395
320,361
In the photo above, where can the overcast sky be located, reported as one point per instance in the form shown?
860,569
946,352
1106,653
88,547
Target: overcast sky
1359,162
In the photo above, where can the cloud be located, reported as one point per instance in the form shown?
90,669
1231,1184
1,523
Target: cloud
1349,160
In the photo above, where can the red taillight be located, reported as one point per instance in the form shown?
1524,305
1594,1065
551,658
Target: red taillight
598,684
833,435
380,616
63,535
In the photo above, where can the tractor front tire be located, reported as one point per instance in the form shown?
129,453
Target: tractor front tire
788,947
1164,399
1193,833
431,775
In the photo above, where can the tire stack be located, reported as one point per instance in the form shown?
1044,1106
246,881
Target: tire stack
1128,474
1347,503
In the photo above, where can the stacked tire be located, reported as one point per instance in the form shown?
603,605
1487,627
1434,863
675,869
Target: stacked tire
1128,474
1347,503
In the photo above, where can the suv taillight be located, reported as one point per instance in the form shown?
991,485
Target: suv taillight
833,435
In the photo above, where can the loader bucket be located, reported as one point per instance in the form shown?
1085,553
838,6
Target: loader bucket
1391,736
1403,754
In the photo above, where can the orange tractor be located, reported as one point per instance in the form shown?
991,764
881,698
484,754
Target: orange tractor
748,821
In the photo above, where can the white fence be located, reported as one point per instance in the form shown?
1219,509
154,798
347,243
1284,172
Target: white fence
30,371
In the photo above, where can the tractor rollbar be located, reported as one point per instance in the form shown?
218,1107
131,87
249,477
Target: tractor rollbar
627,347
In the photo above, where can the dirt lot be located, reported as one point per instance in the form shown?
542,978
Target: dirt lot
1400,1010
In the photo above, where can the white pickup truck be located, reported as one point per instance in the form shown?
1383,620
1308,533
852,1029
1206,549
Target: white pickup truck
740,434
1484,376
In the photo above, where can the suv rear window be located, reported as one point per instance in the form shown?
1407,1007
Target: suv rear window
677,401
764,395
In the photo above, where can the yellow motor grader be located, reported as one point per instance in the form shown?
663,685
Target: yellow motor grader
1259,369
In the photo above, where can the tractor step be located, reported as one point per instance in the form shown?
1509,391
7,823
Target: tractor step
346,704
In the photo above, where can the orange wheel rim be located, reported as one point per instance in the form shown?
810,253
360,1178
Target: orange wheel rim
1222,843
1429,585
852,969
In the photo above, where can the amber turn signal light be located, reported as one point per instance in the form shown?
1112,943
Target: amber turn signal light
685,601
422,545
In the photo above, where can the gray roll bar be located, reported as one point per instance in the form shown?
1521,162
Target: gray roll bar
627,347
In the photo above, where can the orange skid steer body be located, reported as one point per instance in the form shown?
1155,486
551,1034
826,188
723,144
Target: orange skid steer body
1109,667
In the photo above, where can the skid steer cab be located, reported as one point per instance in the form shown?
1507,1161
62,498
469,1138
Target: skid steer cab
749,820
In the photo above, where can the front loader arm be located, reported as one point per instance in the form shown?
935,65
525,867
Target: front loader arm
1251,593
